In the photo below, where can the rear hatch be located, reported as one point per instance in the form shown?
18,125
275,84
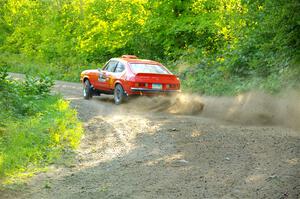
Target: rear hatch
156,78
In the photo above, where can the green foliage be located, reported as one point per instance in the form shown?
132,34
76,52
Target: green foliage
25,65
231,39
19,97
38,86
39,140
35,127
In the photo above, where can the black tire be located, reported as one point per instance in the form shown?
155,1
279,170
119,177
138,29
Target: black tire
119,94
87,90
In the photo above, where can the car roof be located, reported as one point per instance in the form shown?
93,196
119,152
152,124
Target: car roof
135,60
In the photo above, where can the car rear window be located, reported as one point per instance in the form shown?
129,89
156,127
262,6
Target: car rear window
148,68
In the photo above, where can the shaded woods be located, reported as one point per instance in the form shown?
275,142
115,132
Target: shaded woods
216,46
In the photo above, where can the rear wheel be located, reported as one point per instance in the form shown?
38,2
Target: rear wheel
119,94
87,91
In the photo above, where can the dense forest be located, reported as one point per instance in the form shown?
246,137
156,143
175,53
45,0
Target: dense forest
215,46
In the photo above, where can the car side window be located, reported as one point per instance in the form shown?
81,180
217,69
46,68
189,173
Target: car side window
120,67
110,66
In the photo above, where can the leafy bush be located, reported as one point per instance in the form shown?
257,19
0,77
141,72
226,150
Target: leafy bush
35,127
19,96
38,86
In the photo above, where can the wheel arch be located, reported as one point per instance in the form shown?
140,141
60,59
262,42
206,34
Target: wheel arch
118,82
85,78
123,86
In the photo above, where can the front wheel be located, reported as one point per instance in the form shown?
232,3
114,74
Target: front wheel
119,94
87,91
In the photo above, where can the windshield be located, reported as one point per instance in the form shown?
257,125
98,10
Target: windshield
148,68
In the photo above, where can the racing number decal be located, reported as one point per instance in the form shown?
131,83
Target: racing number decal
102,77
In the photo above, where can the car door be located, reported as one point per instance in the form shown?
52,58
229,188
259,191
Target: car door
105,75
117,74
114,73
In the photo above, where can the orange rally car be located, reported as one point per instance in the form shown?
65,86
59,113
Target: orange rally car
127,76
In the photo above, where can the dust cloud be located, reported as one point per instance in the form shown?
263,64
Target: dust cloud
256,108
252,108
188,104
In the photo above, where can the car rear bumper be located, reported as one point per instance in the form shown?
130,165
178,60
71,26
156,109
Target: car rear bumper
141,91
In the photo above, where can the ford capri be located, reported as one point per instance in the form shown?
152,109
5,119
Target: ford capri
128,76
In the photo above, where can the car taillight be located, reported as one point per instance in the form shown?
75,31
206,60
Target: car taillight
141,85
171,86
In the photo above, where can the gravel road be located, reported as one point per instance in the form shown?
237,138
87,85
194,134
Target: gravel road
187,146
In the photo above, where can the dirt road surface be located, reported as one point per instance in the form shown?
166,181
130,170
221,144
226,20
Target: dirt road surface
242,147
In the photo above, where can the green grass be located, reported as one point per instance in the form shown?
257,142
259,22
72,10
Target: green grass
29,144
69,71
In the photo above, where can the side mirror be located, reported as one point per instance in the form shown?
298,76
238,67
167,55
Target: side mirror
99,69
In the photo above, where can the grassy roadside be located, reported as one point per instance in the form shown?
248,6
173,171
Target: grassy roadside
59,71
36,128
